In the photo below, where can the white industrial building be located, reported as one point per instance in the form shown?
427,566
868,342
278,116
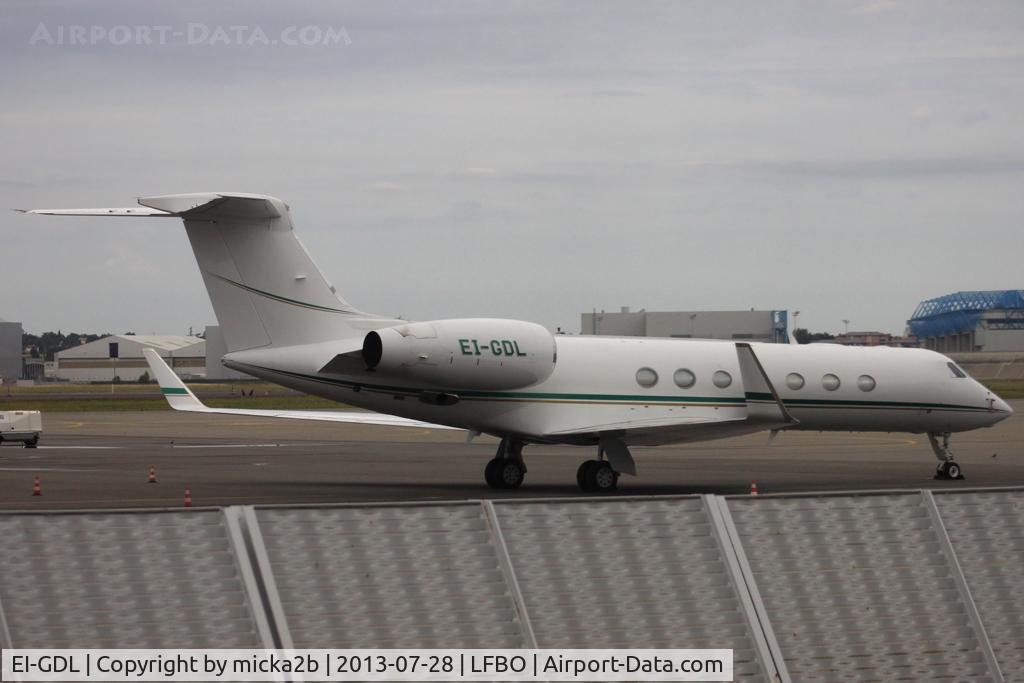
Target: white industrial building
767,326
121,356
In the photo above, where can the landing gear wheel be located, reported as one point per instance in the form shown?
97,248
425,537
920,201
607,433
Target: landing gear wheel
492,474
602,478
31,443
510,474
597,476
949,470
581,475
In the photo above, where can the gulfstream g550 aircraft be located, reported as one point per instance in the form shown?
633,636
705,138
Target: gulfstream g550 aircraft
283,322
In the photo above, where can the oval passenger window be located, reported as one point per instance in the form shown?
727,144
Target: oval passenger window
721,379
865,382
646,377
684,378
830,382
794,381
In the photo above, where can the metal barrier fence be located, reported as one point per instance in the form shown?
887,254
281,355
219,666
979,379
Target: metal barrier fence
908,585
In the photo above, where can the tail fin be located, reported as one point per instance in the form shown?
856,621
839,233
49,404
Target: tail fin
264,287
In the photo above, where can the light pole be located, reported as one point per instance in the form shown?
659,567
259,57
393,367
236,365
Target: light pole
846,326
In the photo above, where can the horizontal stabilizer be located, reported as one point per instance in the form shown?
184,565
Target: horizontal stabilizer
196,206
180,397
143,211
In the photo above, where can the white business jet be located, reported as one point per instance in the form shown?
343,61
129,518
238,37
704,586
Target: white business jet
283,322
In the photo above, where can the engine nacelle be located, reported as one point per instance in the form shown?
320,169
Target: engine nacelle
472,353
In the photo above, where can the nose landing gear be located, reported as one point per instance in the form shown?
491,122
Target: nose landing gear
948,468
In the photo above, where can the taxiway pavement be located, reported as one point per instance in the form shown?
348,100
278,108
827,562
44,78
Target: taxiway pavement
101,460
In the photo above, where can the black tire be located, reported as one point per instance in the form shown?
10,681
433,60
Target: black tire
31,443
491,474
601,477
952,470
510,474
581,476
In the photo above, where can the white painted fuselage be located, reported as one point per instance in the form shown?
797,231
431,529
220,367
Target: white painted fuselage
595,382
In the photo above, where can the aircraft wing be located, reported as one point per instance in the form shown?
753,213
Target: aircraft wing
180,397
676,429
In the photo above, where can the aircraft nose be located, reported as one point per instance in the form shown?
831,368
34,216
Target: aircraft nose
1000,407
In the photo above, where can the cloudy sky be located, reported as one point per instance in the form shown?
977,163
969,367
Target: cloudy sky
522,160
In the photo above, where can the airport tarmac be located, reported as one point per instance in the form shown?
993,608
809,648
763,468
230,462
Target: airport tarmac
101,460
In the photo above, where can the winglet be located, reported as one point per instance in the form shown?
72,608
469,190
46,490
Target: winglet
763,402
179,396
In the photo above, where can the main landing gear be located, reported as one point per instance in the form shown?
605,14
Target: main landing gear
507,469
948,468
597,476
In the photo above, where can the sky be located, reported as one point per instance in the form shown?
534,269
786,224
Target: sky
521,160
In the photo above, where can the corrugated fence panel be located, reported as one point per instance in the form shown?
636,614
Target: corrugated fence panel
858,588
123,579
389,576
626,574
987,533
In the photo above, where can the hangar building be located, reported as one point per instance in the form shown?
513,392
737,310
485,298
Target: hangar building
10,351
987,321
766,326
121,356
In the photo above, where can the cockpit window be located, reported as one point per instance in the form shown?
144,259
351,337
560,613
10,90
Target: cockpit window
957,372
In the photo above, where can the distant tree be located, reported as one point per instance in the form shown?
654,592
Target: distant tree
117,379
144,378
804,336
49,343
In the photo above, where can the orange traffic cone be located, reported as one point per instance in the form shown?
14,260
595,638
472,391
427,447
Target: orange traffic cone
753,488
152,474
37,489
188,498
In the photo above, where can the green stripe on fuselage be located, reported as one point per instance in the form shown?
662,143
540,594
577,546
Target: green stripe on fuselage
623,398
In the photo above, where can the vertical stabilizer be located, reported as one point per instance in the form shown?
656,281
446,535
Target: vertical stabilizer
264,287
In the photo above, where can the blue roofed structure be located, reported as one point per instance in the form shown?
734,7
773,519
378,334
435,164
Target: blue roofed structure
990,320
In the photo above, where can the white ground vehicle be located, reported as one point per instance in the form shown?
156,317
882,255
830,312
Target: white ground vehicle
21,425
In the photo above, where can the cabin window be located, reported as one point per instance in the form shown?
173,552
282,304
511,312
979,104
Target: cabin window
684,378
646,377
955,369
830,382
866,383
721,379
794,381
